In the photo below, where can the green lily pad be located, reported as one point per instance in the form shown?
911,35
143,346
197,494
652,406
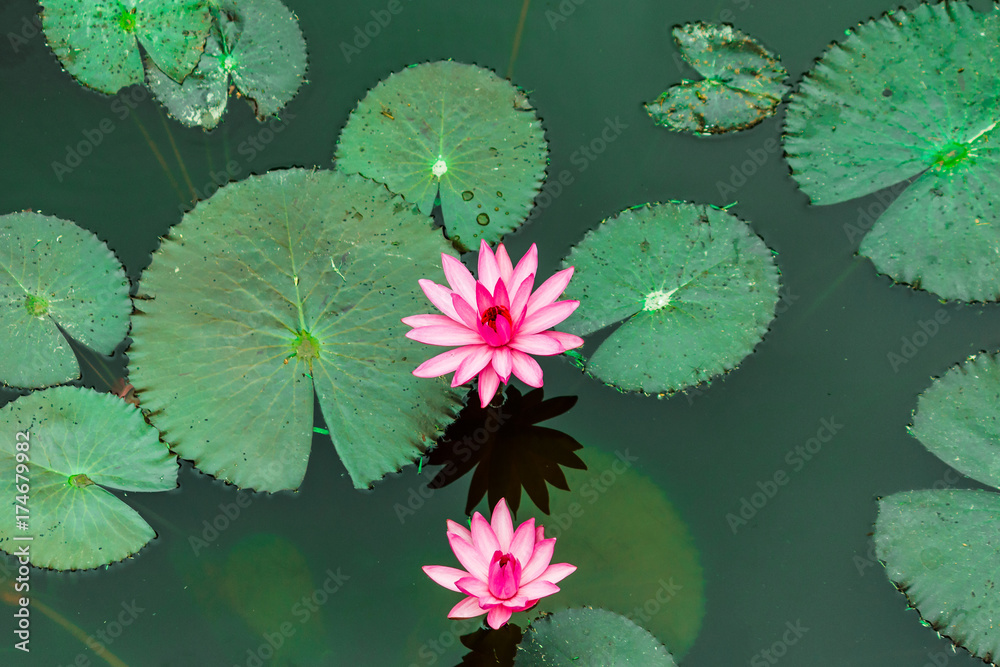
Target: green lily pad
259,43
958,419
53,275
74,442
201,99
692,287
589,637
743,84
454,131
278,287
98,41
942,549
912,95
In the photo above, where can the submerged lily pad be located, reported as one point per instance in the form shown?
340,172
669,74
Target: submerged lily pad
98,41
259,43
277,287
743,84
259,579
941,548
912,95
75,442
634,553
692,287
958,419
454,131
580,637
55,275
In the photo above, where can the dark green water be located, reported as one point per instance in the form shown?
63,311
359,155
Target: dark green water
803,559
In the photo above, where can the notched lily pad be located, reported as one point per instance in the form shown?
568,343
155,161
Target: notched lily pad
958,418
692,287
255,43
581,637
65,446
912,95
97,41
55,275
278,290
942,549
455,133
743,84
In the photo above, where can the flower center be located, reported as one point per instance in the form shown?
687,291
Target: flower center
491,315
504,576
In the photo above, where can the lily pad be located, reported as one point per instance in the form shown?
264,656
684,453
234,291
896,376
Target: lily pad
98,41
278,287
942,549
74,442
692,287
589,637
958,419
454,131
259,43
56,279
912,95
743,84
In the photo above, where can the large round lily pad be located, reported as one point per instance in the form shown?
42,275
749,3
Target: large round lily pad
455,131
276,288
743,84
958,418
912,95
589,638
259,43
942,549
54,274
98,41
692,287
74,442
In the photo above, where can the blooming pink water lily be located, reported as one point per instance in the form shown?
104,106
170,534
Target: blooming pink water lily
508,570
497,321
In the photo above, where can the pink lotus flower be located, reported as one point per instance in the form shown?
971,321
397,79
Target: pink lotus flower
496,320
508,570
